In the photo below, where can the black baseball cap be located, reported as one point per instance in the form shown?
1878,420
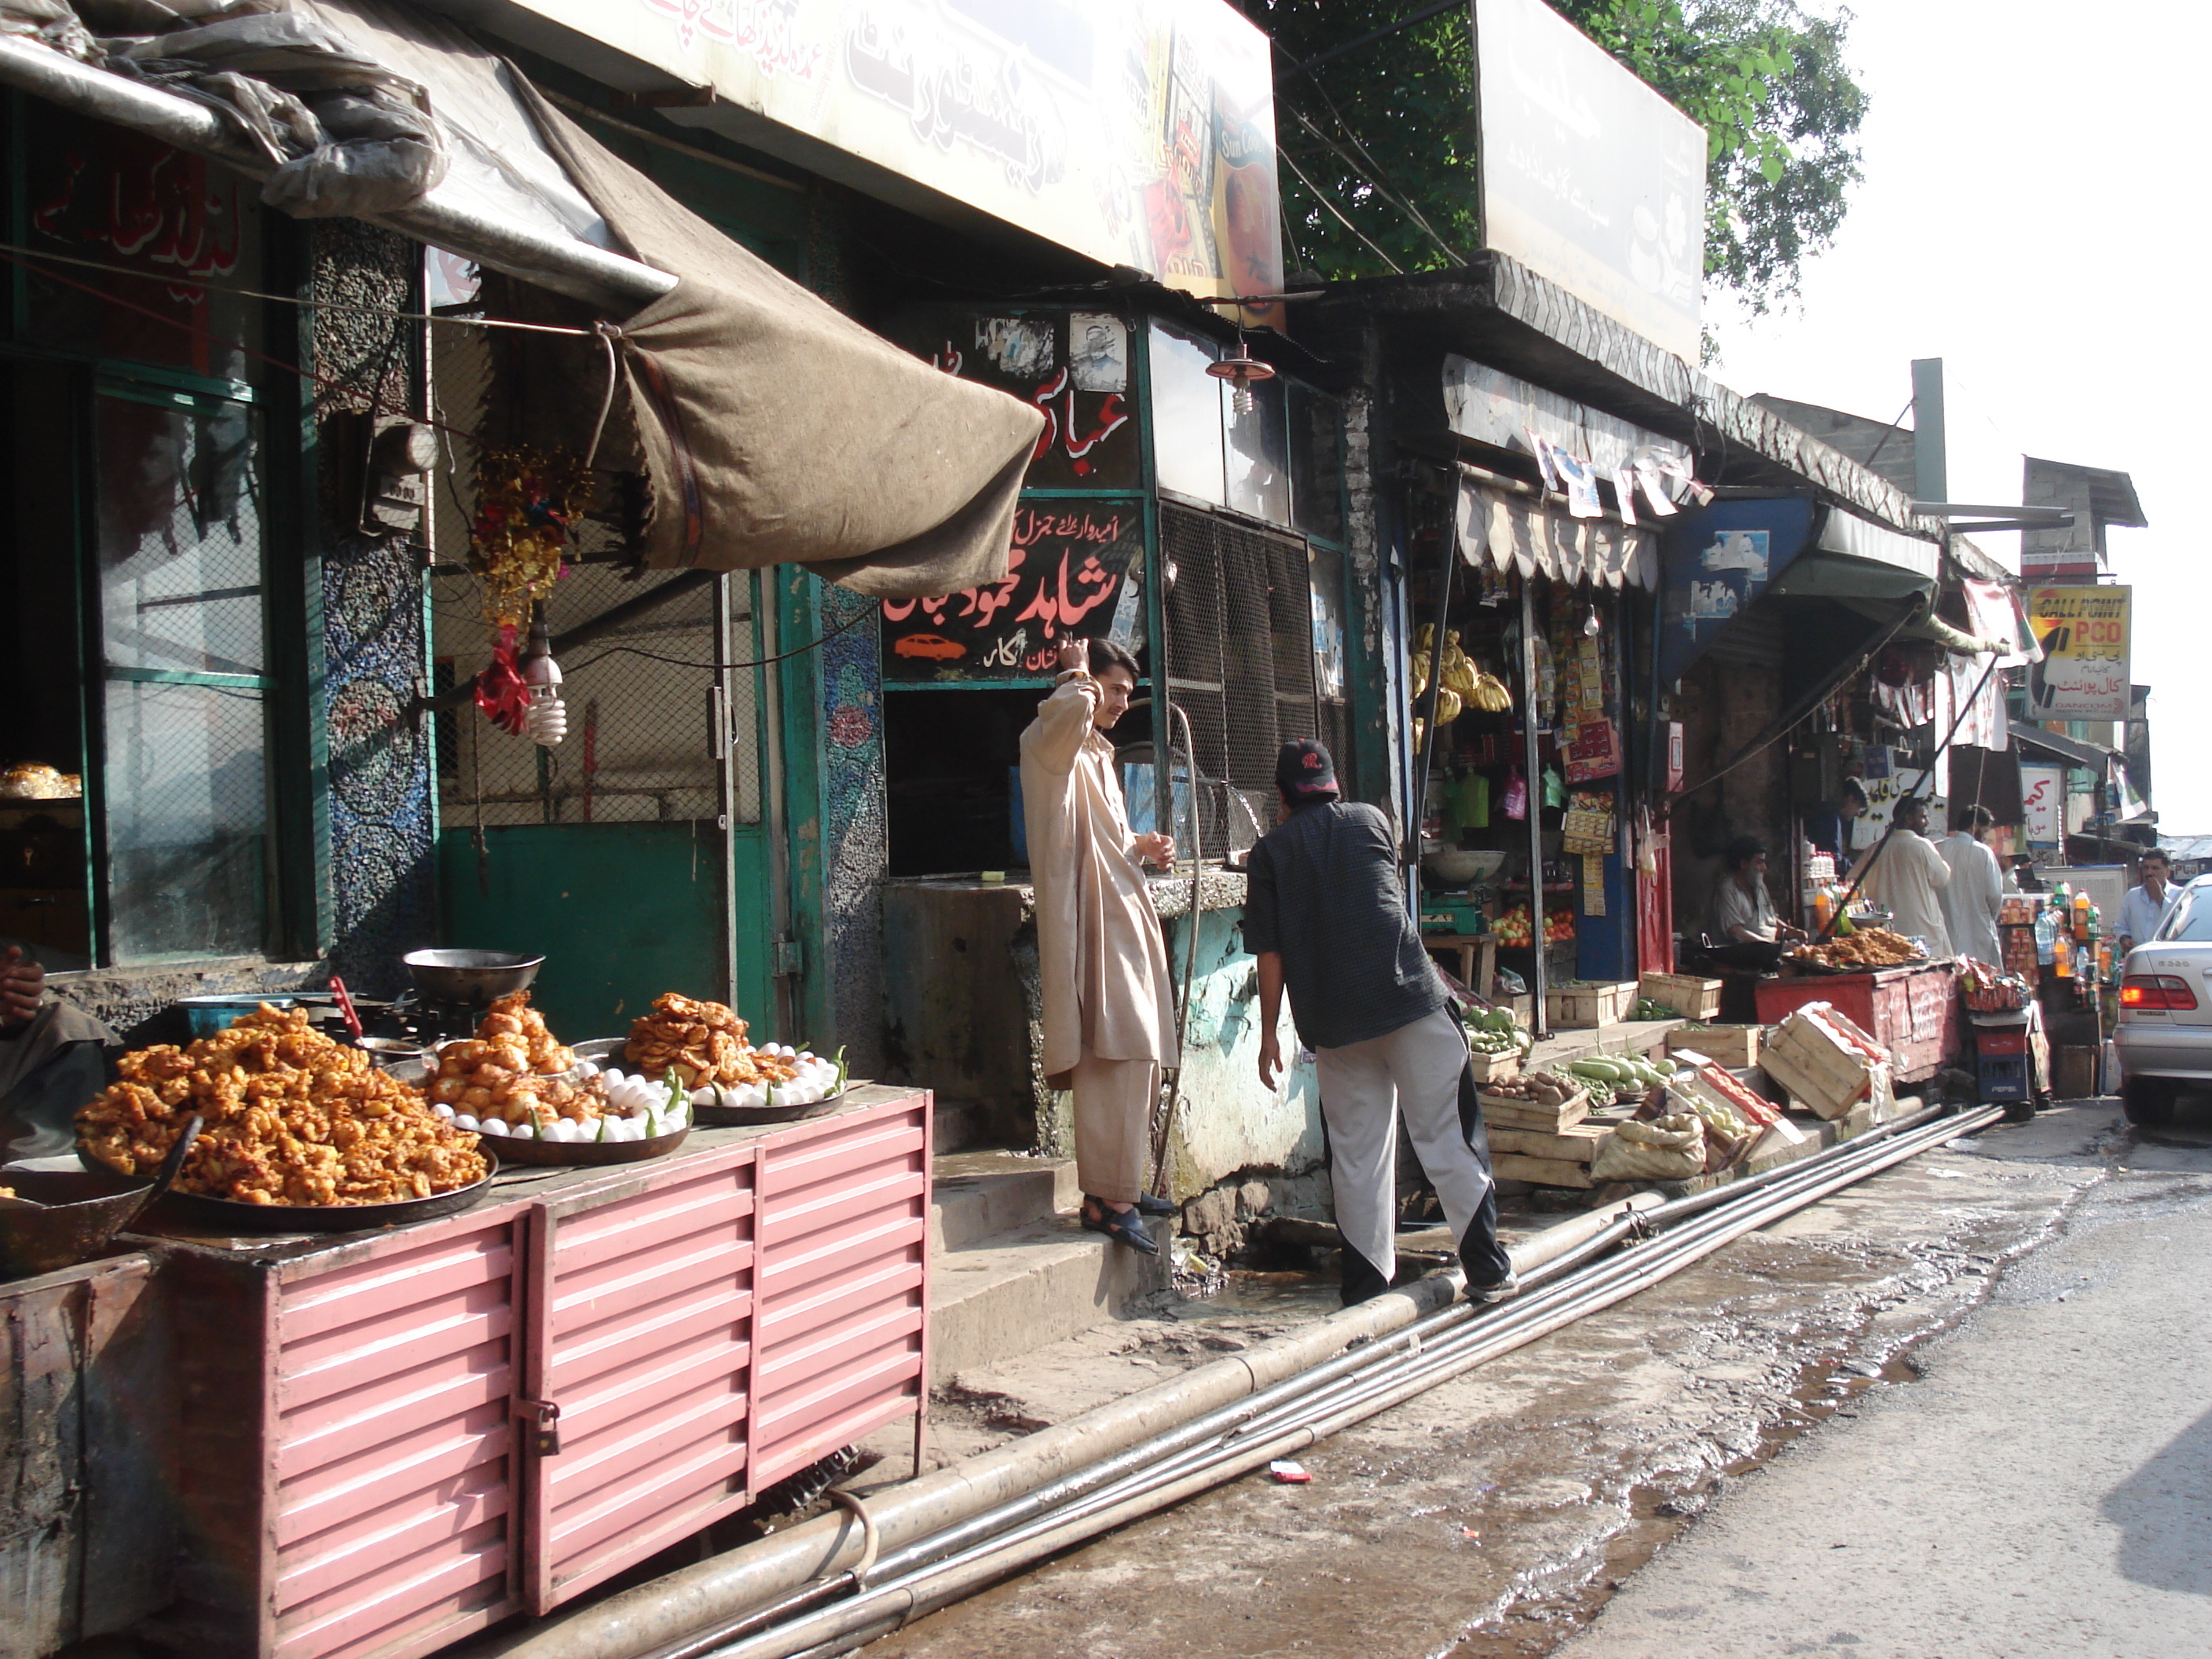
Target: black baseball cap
1303,770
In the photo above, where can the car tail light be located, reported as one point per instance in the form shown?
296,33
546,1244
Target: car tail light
2157,994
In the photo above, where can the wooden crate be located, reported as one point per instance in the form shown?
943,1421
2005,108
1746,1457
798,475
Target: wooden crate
1732,1046
1495,1068
1544,1171
1584,1008
1687,995
1505,1113
1819,1064
1576,1143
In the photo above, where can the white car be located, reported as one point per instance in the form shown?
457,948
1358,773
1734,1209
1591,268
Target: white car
2165,1034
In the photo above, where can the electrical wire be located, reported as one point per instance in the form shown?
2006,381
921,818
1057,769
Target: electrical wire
851,622
1396,269
1372,175
168,280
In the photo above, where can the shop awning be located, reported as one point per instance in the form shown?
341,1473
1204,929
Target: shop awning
1511,533
2074,751
1855,558
775,428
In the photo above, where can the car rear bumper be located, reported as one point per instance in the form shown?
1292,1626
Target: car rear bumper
2149,1049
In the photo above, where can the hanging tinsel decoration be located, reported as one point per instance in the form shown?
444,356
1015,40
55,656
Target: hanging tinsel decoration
526,500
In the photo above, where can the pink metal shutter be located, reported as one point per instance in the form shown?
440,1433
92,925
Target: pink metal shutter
641,1306
390,1527
842,1286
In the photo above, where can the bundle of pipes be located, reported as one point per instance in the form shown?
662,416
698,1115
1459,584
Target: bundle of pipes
835,1583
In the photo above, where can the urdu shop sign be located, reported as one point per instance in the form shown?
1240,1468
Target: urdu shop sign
1137,132
2085,671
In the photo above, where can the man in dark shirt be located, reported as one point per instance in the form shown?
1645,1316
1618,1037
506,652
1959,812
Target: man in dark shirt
1325,915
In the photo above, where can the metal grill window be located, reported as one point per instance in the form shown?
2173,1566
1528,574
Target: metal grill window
643,725
1239,654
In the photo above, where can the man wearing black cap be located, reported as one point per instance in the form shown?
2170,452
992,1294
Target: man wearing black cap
1325,915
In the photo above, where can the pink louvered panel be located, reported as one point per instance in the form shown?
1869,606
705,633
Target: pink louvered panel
392,1522
841,1286
643,1335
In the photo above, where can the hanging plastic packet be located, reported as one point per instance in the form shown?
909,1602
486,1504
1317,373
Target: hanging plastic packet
1555,791
1516,796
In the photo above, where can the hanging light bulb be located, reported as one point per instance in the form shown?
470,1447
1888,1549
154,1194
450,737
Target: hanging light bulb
1243,372
545,722
1591,626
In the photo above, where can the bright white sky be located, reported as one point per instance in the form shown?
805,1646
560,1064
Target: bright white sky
2031,214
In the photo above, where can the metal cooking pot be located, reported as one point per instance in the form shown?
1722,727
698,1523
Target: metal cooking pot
471,978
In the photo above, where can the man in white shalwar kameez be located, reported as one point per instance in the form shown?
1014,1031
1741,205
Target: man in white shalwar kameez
1974,897
1904,874
1108,1004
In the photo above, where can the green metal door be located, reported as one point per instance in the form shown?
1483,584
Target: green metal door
634,856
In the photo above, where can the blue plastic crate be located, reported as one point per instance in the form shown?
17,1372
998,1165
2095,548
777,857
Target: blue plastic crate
2004,1077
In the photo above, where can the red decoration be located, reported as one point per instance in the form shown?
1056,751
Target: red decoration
500,691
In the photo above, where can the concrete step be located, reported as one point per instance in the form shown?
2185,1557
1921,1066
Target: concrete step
1010,1292
975,1195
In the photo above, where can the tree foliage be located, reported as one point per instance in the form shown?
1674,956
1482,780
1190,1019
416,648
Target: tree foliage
1379,144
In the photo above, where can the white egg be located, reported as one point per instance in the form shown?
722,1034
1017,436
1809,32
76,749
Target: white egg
465,1121
701,1097
757,1096
493,1125
586,1068
613,1075
524,1131
442,1109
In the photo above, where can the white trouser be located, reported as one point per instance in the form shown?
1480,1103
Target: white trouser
1363,1087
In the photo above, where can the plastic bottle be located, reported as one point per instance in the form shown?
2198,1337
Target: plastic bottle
2061,955
2082,916
1824,907
2046,937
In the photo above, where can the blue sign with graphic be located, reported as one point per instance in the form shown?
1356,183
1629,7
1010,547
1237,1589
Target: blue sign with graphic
1714,561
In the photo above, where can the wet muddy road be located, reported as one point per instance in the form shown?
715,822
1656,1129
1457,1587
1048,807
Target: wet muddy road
1498,1514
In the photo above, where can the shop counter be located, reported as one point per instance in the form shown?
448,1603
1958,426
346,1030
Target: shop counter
1912,1011
391,1440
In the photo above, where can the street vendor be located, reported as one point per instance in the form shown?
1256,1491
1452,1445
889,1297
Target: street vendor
53,1057
1830,826
1751,934
1974,895
1326,917
1904,874
1108,1006
2146,903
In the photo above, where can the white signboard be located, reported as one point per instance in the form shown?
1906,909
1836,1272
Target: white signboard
2043,797
1139,132
1589,177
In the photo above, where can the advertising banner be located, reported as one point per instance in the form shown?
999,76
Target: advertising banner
1140,133
2042,802
1589,176
1077,570
2084,673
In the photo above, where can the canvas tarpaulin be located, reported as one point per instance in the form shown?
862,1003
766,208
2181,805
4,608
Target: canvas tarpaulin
775,428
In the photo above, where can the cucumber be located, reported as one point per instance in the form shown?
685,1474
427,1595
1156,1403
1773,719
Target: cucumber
1605,1071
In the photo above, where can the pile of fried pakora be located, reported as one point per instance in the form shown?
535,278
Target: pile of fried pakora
288,1116
512,1070
704,1041
1869,947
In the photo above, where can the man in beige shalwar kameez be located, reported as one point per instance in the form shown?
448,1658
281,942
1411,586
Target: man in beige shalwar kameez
1109,1007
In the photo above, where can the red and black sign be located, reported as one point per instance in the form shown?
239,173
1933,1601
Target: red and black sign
1077,570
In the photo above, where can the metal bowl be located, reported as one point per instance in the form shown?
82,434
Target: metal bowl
227,1215
719,1117
513,1151
470,978
1456,868
81,1213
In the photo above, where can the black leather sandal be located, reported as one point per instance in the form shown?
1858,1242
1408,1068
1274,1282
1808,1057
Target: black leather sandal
1122,1227
1151,1204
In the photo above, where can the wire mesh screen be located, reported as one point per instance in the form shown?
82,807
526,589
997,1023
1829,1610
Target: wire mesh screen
640,653
1240,660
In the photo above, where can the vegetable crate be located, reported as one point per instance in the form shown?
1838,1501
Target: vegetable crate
1732,1046
1826,1060
1584,1005
1687,995
395,1439
1492,1068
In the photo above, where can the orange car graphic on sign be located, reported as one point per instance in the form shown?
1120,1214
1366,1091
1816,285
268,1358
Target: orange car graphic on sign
929,645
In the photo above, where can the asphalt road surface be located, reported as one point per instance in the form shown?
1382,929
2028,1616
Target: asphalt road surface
2044,1488
1957,1410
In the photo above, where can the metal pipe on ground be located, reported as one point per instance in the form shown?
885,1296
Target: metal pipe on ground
670,1610
875,1612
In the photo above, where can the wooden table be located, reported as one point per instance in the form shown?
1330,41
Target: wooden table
1481,981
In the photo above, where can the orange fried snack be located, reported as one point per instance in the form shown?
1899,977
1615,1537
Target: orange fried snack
288,1116
703,1042
512,1070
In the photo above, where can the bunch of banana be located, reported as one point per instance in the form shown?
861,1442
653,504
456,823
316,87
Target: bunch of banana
1463,681
1490,693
